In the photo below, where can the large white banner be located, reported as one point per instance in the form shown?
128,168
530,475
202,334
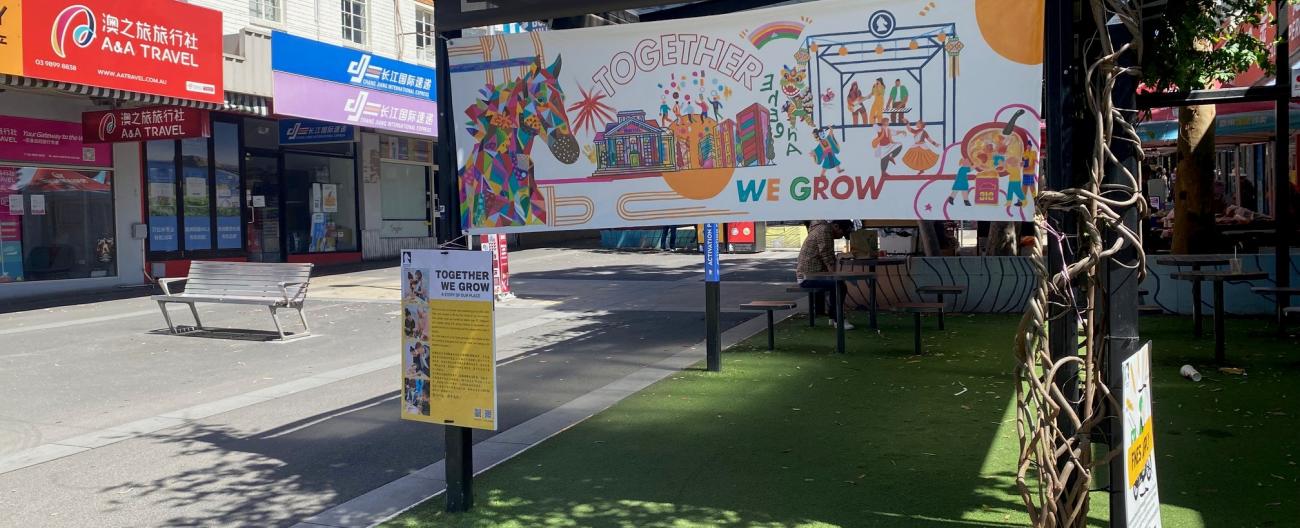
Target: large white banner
888,109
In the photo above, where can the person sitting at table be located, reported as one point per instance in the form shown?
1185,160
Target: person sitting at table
817,255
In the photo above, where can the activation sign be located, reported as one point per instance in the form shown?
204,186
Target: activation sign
162,48
448,338
1141,494
145,124
712,270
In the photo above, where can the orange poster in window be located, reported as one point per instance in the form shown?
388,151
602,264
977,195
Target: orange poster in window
11,37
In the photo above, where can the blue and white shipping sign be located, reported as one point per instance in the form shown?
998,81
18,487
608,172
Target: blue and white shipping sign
309,58
306,131
712,270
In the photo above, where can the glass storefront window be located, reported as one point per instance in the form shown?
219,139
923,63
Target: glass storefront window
320,200
198,205
195,195
56,224
404,203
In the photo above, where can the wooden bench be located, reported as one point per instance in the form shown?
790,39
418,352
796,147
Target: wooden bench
940,291
1278,293
770,307
812,301
916,309
265,284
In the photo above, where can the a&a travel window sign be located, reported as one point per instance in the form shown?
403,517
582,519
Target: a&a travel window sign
310,58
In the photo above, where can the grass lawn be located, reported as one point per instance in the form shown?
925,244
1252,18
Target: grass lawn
805,438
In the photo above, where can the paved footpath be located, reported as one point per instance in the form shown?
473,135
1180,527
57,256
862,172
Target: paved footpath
106,420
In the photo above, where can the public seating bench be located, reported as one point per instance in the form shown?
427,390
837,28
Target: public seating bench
1278,292
940,291
264,284
1144,308
916,309
770,307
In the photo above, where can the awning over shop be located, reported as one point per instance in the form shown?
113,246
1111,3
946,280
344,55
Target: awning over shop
235,102
1229,128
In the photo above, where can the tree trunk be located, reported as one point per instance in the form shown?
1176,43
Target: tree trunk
1194,231
1002,239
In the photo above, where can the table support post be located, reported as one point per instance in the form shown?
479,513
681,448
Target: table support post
839,317
1219,354
1197,331
872,284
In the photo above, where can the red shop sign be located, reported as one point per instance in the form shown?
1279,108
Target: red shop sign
144,124
159,47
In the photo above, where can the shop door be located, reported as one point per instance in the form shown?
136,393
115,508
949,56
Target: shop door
262,177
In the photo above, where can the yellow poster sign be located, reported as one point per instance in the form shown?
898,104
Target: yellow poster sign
448,338
11,37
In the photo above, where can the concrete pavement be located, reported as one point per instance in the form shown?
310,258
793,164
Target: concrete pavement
106,421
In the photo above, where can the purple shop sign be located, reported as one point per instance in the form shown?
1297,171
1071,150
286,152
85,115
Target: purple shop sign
41,141
326,101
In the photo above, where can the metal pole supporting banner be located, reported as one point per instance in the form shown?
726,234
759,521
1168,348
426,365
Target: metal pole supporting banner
460,469
712,299
1282,159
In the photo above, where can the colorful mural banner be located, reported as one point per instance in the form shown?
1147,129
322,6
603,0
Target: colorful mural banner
885,109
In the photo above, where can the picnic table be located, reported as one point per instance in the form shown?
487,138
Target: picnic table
840,277
1195,261
1218,277
871,264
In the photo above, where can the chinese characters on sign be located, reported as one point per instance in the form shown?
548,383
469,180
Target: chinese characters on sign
161,48
145,124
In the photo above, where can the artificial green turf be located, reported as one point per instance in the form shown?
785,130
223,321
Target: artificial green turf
879,437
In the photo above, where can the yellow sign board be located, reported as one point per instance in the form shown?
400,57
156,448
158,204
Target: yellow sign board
11,37
448,338
1141,489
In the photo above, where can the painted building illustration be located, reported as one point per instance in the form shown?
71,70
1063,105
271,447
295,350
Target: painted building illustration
727,144
754,136
634,144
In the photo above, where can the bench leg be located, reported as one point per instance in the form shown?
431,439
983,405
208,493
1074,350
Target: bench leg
916,322
941,308
306,329
277,323
771,331
162,305
197,323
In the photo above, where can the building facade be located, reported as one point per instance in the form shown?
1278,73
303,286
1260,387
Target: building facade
114,180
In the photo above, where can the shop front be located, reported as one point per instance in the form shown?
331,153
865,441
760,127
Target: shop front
358,185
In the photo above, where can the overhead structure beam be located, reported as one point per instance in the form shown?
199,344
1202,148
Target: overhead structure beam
462,14
1249,94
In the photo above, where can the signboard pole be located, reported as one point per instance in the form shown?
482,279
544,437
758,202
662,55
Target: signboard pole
459,460
1281,165
712,298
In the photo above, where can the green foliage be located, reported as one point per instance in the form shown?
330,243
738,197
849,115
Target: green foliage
1198,42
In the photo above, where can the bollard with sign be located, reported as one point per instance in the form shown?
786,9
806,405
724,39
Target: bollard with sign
712,298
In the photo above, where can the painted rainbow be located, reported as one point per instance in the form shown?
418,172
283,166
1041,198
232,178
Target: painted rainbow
770,31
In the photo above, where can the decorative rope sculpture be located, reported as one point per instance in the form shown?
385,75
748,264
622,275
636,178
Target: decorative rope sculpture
1055,470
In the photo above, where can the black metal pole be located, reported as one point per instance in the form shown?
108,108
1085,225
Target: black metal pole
1281,160
446,188
1060,104
1119,278
460,469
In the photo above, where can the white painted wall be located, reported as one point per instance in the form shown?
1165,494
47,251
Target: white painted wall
126,196
391,23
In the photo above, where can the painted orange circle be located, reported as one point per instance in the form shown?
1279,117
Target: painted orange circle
1013,28
699,184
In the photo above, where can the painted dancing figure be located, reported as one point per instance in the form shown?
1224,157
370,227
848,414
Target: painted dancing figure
825,151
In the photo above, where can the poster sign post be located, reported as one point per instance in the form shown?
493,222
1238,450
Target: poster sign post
496,246
449,353
1141,494
712,299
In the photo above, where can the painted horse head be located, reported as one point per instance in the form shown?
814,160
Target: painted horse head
543,111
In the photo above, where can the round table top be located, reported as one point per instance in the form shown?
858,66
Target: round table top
1191,260
841,275
1219,275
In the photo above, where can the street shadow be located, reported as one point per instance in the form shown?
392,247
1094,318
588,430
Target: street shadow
229,334
281,475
